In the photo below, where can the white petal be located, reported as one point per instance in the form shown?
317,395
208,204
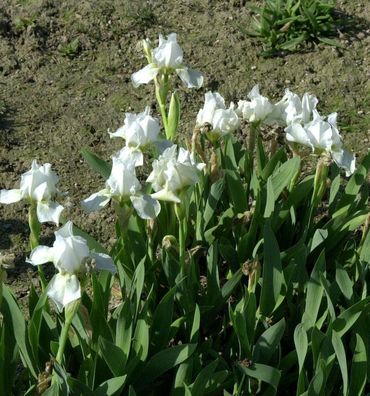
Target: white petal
130,155
41,192
10,196
346,160
41,255
295,133
103,262
144,75
145,206
95,201
49,211
63,289
192,78
166,195
65,231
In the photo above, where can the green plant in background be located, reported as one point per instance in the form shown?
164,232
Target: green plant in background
70,49
283,25
232,273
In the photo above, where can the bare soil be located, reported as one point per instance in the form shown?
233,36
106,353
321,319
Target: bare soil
65,70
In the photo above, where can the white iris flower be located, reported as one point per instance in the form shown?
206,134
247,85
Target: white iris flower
71,257
214,112
38,185
123,185
172,173
167,57
323,137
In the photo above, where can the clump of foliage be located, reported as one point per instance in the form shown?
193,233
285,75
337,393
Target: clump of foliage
283,25
233,271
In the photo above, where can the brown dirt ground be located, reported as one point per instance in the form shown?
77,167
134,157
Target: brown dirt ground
65,70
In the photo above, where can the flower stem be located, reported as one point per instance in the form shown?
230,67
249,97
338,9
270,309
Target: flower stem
161,91
35,229
182,236
69,314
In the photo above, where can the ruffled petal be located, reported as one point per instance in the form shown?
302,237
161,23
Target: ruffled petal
103,262
95,201
192,78
146,206
49,211
10,196
41,255
63,289
145,75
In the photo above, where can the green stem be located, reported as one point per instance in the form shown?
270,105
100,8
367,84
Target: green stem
35,227
182,236
252,136
318,191
69,313
35,230
161,92
293,182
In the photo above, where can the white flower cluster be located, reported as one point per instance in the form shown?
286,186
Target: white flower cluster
302,123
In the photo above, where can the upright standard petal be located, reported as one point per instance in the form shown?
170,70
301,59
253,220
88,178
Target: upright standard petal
146,206
192,78
145,75
63,289
41,255
10,196
49,211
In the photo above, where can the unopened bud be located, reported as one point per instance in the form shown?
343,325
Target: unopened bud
147,50
169,242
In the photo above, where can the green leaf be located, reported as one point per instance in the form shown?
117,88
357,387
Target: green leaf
261,372
161,326
124,327
272,273
213,198
194,334
333,43
301,344
270,200
314,293
113,356
344,282
111,387
164,361
228,288
268,341
341,357
12,311
365,249
236,191
216,382
35,325
199,385
272,164
96,163
317,384
348,318
282,176
359,368
79,388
